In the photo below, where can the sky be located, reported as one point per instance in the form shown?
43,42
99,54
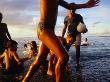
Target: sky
22,17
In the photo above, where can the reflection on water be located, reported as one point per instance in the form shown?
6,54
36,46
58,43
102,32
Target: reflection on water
94,59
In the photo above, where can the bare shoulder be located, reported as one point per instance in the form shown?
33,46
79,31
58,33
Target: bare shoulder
4,25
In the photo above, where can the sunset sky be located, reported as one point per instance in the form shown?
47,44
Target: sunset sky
22,17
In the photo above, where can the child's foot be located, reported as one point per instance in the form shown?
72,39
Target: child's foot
51,73
78,65
68,68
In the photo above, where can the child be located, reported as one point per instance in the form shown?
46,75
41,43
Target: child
31,49
12,62
34,48
4,36
49,41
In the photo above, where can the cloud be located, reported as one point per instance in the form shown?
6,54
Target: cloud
102,33
19,12
19,5
23,31
96,23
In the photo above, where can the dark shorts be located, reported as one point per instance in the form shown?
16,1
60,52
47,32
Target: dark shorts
44,26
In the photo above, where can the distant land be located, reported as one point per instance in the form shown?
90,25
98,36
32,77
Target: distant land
104,36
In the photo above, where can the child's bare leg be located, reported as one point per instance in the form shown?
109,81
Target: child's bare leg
42,55
77,46
51,66
77,55
52,42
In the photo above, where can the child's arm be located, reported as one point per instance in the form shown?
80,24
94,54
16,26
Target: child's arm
65,26
2,56
20,60
16,57
89,4
7,60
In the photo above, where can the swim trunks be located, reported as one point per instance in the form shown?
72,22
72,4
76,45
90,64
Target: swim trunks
44,26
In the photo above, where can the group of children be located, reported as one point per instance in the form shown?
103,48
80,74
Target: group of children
12,62
30,49
49,40
50,43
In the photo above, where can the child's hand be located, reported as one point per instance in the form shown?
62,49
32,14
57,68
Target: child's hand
92,3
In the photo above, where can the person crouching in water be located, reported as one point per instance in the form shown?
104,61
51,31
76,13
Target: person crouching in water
71,22
13,63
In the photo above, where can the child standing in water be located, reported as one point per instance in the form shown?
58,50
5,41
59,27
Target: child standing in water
49,41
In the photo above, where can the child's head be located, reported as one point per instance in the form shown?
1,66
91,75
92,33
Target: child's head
33,44
1,16
73,10
12,44
86,39
25,45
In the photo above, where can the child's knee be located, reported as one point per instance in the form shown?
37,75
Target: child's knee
64,59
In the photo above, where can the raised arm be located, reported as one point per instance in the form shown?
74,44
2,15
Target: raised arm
65,27
89,4
16,57
64,30
7,32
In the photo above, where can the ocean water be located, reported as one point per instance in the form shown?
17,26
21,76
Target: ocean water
95,61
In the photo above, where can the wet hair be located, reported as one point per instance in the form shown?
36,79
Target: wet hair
1,14
34,45
25,45
74,8
73,3
86,39
11,43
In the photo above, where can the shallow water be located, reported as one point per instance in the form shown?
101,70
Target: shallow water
95,60
95,63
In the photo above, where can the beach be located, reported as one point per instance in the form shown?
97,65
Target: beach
95,63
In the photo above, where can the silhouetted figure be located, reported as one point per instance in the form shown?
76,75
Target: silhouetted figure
13,63
4,36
